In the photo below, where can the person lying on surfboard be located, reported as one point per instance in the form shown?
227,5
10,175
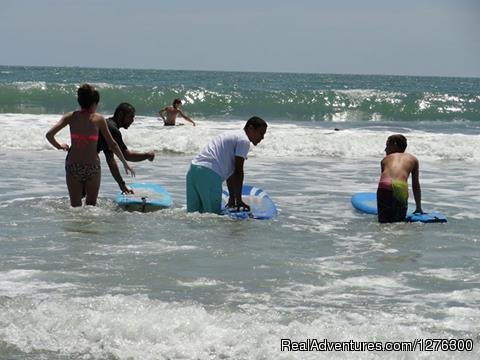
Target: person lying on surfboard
169,113
222,159
392,192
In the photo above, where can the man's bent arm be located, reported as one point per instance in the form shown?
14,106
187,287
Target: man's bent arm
162,113
186,117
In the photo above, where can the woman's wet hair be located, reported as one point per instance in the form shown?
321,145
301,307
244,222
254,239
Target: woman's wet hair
87,96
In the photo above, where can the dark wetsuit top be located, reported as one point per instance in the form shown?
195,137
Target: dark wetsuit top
117,136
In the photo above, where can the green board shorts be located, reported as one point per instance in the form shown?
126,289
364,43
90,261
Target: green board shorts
204,190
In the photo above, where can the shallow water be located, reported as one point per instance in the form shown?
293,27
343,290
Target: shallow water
97,282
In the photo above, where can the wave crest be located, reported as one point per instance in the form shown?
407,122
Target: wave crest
290,104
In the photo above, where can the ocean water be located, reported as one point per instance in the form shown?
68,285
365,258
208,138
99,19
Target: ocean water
101,283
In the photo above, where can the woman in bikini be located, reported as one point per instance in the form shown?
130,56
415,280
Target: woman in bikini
82,165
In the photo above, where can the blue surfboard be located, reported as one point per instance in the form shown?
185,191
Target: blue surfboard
147,197
366,202
430,217
261,205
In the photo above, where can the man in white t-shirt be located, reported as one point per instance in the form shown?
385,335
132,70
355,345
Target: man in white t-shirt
222,159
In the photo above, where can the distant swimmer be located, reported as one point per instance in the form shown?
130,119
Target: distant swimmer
222,159
123,117
82,165
169,113
392,192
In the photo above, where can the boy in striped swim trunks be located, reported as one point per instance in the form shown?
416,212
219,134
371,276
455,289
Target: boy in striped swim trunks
392,193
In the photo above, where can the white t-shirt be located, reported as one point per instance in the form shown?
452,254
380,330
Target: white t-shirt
219,154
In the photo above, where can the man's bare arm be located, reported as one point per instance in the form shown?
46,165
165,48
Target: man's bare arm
417,193
112,164
185,117
138,156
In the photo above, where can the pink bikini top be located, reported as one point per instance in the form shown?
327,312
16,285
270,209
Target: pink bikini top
83,140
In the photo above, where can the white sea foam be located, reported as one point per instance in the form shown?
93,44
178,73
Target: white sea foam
143,249
105,85
200,282
27,85
27,132
138,327
27,282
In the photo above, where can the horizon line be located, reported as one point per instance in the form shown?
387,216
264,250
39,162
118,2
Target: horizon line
239,71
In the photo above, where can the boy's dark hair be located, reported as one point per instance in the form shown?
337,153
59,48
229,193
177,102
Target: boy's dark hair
123,108
399,141
87,96
177,101
255,122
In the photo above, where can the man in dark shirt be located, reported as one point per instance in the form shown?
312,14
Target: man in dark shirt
123,117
